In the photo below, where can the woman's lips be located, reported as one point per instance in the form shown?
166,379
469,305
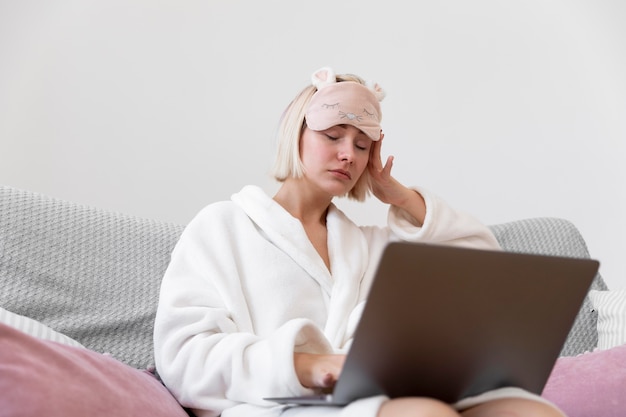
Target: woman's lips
342,173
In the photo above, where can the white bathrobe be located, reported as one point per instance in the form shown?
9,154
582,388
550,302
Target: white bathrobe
246,288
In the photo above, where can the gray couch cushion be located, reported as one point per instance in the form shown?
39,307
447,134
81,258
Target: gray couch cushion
88,273
554,236
95,275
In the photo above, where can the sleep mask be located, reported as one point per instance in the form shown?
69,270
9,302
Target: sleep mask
345,102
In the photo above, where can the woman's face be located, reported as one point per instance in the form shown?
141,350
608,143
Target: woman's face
334,158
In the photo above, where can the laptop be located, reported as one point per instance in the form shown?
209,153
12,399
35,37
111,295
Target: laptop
448,323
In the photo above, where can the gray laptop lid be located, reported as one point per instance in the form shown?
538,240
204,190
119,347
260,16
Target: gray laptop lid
448,322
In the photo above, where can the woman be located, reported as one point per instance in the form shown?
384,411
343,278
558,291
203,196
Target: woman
263,294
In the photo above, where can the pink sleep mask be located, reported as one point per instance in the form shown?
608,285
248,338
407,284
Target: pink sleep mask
346,102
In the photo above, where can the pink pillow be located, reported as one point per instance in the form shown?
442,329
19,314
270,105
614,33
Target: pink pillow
591,384
44,378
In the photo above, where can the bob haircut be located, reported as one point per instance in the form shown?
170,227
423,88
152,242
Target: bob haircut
292,123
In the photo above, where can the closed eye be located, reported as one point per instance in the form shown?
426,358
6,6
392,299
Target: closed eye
363,144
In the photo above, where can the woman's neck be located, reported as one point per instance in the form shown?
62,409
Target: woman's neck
311,210
308,207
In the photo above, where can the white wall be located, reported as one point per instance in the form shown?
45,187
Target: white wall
155,108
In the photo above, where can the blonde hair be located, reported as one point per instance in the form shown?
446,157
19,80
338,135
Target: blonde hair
288,163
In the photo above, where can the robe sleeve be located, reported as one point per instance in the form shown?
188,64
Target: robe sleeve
206,354
442,225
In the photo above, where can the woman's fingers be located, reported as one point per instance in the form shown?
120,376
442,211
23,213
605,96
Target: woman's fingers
387,168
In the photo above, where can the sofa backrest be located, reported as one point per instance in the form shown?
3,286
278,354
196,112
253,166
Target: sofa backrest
95,275
559,237
88,273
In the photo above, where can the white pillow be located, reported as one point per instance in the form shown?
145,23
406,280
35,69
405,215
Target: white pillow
611,308
35,328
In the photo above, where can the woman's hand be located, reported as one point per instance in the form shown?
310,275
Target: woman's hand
388,190
316,370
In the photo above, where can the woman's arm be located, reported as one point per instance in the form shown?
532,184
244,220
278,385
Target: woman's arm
390,191
418,215
208,350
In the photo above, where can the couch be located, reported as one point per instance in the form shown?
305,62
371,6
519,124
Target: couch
91,277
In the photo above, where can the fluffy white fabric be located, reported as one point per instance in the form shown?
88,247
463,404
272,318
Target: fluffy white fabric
246,288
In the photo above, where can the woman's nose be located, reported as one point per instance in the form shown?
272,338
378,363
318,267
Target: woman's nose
346,155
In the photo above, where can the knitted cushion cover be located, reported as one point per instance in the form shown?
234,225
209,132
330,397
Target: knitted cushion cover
559,237
94,275
90,274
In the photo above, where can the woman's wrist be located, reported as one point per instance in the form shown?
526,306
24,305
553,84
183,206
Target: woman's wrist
414,204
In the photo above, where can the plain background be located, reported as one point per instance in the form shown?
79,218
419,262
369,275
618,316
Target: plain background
506,109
